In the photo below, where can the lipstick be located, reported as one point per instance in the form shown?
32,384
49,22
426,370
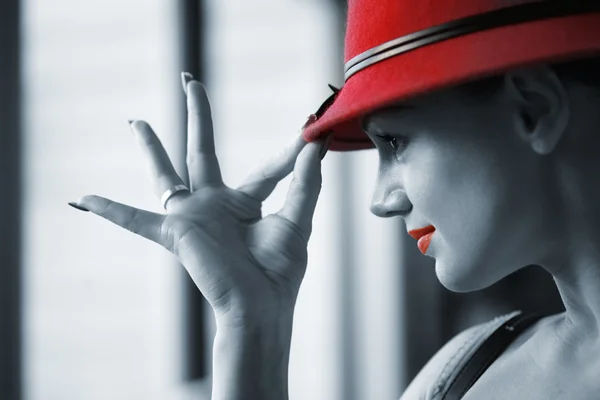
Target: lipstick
423,236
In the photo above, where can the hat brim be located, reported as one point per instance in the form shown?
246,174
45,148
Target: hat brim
449,63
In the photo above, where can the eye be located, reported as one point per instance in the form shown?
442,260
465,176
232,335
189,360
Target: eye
398,144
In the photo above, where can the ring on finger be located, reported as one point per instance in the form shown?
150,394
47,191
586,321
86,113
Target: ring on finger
170,192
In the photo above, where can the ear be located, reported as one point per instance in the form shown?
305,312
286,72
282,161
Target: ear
541,109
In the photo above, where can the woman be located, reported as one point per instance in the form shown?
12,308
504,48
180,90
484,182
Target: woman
490,175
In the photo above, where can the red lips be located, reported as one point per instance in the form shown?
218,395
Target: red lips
417,233
423,235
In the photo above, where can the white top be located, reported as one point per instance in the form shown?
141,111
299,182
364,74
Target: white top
470,344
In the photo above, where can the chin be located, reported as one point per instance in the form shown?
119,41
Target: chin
461,277
452,281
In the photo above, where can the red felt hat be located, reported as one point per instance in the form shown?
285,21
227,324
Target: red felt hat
397,49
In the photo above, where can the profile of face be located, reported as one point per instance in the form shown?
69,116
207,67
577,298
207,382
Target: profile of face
477,171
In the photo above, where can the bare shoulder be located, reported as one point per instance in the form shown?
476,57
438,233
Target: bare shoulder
441,363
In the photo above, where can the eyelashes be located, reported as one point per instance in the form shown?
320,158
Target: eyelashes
398,144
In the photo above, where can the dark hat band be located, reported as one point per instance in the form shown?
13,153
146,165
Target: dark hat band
506,16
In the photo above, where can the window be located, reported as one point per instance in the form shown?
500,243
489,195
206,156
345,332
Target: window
100,318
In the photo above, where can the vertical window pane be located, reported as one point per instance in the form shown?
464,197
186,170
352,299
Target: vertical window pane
100,320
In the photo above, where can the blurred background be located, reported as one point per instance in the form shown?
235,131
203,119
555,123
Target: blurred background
90,311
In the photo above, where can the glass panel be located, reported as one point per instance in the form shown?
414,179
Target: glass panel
99,302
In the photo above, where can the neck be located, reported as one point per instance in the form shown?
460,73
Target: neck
575,262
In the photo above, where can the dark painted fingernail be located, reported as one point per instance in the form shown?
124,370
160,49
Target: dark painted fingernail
186,77
77,206
325,145
131,121
309,120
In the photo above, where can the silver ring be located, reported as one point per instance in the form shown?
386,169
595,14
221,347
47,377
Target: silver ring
167,195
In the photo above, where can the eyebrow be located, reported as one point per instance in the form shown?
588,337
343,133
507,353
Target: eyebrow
370,128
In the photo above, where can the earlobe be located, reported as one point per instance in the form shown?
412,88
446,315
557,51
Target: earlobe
540,105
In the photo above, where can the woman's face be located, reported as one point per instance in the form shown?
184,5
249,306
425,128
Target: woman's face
459,166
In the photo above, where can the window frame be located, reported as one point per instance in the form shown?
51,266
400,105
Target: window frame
10,201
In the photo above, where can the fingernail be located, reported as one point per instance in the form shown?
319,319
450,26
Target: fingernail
185,78
77,206
325,145
131,121
311,118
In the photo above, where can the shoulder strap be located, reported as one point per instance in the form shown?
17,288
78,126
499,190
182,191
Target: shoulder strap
487,353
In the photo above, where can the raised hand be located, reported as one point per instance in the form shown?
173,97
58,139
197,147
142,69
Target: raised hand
248,267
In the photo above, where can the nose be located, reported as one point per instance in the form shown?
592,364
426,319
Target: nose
389,202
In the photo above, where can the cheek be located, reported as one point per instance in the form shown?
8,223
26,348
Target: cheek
466,200
462,196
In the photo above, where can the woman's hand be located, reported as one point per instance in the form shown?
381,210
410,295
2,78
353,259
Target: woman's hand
248,267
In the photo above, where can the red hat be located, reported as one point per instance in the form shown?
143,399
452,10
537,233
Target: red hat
396,49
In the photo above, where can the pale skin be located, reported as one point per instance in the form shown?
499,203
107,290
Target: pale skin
507,183
249,268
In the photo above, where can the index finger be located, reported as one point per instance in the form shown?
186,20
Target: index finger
261,182
302,196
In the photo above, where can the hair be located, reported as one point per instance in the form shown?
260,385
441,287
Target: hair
586,71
